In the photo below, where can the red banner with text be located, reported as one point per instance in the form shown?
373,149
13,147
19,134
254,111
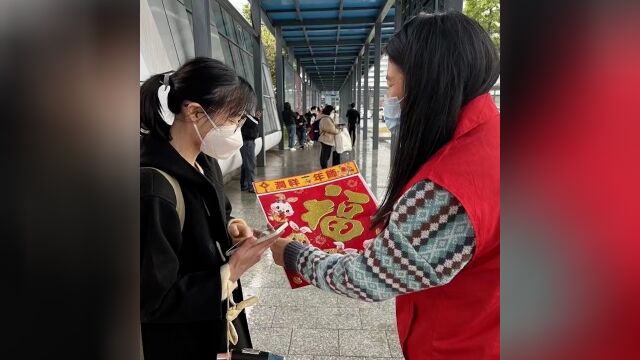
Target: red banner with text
330,209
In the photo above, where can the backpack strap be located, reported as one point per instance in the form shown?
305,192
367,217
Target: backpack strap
180,208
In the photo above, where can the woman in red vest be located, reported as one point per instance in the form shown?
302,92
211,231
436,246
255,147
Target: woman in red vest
439,254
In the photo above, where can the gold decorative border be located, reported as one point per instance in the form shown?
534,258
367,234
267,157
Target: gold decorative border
306,180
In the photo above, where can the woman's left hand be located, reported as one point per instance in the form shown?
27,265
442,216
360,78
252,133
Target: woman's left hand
239,230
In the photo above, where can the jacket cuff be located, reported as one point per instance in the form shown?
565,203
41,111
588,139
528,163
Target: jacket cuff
227,285
291,254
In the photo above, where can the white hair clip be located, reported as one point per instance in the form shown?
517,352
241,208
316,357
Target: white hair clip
163,95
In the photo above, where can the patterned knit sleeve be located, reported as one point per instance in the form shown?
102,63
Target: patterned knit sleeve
428,241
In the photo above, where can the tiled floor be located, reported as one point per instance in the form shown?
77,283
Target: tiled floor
308,323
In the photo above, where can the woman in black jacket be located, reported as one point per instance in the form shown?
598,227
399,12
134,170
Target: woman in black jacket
301,128
190,119
289,118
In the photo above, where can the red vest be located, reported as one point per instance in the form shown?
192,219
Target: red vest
461,320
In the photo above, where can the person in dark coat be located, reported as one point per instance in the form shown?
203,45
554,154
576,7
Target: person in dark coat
353,117
250,132
289,118
191,120
301,127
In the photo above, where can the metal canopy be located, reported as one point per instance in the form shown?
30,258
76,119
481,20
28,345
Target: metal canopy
327,36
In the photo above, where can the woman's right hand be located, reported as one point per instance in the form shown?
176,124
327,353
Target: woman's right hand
247,255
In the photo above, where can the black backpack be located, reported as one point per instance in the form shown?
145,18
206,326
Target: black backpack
315,131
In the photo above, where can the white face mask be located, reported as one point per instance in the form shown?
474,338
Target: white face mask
221,141
392,112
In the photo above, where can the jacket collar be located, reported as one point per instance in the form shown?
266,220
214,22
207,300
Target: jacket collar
159,153
477,111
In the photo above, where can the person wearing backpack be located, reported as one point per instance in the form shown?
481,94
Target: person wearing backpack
328,131
190,119
315,130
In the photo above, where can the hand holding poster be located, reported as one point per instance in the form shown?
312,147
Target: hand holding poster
330,209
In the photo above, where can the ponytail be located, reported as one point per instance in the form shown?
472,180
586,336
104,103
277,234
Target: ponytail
208,82
151,121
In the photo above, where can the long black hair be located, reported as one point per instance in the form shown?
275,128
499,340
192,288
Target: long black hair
447,60
207,81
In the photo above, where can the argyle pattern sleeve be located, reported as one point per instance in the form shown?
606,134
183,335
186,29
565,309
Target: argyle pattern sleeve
428,241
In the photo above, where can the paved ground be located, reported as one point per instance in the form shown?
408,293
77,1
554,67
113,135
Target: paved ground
308,323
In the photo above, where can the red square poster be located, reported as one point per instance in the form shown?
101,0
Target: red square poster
330,209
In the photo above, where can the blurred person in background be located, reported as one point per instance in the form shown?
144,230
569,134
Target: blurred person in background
438,252
309,118
328,131
301,126
289,118
190,117
250,132
314,132
353,118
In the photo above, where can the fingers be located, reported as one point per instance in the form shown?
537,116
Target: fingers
233,230
240,232
268,243
249,243
245,231
264,245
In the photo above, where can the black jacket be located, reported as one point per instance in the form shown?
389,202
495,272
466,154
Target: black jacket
301,122
249,130
353,117
288,117
182,314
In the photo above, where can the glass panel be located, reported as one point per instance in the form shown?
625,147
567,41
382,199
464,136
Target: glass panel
271,125
289,85
237,61
181,30
271,119
248,66
216,47
298,92
268,83
248,41
272,122
267,116
217,17
228,24
227,53
239,33
276,120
